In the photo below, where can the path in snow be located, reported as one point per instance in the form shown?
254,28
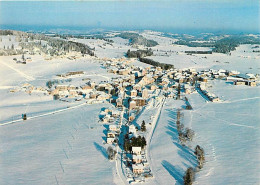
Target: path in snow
42,115
29,78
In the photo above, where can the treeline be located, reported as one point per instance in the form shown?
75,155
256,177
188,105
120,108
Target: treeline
7,52
136,39
6,32
157,64
224,45
48,45
100,37
199,52
195,44
228,44
186,134
139,53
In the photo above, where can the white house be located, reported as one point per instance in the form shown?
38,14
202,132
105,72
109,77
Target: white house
132,129
137,158
138,168
136,150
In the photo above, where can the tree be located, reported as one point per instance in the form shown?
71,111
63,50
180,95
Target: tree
178,114
113,92
143,127
56,97
24,116
49,84
182,138
111,153
189,134
199,152
189,176
127,145
179,92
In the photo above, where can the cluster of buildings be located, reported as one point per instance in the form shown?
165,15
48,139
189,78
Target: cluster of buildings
29,88
88,91
234,76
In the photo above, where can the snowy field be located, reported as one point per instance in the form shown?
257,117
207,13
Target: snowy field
229,133
242,59
169,159
65,148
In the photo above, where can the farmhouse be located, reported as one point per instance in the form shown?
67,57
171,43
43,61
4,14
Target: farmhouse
110,140
111,134
113,128
137,158
138,168
136,150
132,129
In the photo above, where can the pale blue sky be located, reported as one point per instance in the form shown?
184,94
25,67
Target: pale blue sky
159,15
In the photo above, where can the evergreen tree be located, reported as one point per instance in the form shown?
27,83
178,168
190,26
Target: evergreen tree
143,127
189,176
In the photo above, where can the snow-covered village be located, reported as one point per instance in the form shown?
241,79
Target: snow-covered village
129,107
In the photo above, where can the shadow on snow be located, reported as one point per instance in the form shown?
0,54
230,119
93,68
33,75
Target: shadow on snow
101,149
175,171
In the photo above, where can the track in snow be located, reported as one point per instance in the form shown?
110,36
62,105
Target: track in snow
29,78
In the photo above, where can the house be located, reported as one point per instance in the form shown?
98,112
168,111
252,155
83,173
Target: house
115,113
187,89
138,168
132,104
145,93
73,92
131,129
239,82
137,87
111,134
153,87
134,93
86,87
119,102
108,119
131,117
214,99
28,59
139,101
62,87
251,83
123,72
204,79
137,158
110,140
136,150
114,128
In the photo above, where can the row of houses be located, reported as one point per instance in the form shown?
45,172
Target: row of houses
212,97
